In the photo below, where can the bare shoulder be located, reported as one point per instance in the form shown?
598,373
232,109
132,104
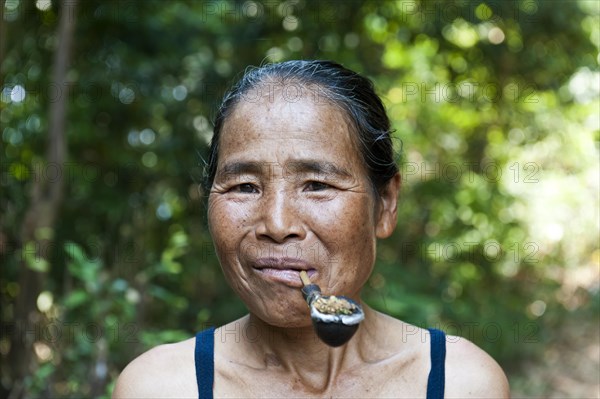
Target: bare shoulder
471,372
163,371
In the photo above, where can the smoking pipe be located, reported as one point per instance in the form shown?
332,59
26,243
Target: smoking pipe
335,318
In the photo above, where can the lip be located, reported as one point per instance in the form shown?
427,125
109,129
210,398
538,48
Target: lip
283,270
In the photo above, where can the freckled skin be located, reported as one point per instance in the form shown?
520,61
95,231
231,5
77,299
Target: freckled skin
334,229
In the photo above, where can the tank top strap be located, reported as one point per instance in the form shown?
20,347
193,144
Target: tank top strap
437,374
204,358
205,367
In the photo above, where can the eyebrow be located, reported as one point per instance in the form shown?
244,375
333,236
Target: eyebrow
308,166
318,168
240,168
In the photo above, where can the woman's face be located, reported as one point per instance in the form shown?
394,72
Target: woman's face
290,194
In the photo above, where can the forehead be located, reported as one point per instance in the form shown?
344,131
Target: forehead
271,119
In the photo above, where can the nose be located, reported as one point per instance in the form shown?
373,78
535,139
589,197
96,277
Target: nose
279,218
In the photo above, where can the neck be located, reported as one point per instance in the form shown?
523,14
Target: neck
301,353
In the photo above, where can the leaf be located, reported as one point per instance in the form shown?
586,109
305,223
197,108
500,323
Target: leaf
76,298
82,267
33,260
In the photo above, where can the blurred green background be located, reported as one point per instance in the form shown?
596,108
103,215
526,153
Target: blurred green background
105,113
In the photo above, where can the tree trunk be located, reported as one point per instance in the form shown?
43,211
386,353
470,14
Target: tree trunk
2,43
38,225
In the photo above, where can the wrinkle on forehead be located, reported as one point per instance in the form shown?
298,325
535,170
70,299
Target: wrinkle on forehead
285,93
284,120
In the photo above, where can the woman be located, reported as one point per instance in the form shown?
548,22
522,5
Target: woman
302,178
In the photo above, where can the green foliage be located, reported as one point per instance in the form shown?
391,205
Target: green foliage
495,104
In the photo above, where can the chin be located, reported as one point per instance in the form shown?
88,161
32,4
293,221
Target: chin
283,316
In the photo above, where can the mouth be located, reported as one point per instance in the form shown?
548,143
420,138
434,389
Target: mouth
283,270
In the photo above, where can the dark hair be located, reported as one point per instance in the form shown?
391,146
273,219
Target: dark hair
339,86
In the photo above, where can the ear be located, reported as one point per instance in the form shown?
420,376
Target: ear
388,204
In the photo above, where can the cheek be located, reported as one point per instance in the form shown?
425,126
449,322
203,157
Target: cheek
226,225
349,222
347,232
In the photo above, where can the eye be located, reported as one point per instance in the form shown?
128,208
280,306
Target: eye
317,186
245,188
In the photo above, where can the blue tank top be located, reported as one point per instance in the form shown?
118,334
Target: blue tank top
205,364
